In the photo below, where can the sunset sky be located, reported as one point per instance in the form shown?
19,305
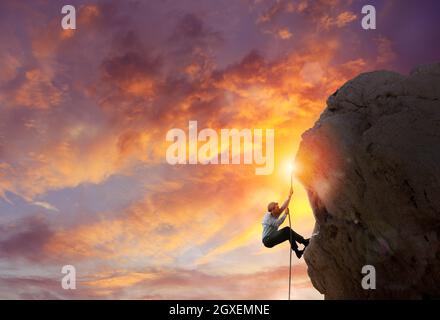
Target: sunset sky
84,113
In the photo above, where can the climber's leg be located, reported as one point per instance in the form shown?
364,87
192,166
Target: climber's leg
282,235
299,238
278,237
294,238
290,234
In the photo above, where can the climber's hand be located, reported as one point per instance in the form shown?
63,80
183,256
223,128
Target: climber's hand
287,211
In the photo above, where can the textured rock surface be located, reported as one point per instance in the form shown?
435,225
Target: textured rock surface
371,165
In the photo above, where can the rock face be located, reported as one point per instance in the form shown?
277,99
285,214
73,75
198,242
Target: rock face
371,165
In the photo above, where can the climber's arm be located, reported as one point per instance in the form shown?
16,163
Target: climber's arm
286,203
281,219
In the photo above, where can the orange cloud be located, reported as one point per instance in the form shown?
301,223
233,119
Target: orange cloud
345,18
192,284
284,33
37,91
82,107
385,50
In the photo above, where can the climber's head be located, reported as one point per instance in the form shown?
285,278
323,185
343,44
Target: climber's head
274,208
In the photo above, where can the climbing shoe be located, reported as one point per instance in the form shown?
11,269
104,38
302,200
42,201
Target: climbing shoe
299,253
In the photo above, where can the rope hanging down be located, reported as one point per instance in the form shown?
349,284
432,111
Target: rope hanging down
290,233
290,258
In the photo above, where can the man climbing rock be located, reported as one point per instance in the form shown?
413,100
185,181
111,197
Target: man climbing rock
271,222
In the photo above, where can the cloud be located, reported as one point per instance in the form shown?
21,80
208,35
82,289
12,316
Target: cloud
25,239
83,108
385,52
137,95
284,33
193,284
345,18
135,87
132,73
242,239
164,284
275,10
45,205
162,225
34,88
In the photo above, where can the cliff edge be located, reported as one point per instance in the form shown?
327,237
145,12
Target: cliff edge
371,166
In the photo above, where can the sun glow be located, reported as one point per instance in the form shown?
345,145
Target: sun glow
291,168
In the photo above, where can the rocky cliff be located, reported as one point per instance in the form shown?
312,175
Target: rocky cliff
371,165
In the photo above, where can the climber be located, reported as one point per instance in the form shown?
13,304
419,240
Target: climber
271,222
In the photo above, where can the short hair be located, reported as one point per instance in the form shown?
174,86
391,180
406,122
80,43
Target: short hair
270,206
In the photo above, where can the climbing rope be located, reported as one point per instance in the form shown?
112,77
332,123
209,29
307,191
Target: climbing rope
290,234
290,257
